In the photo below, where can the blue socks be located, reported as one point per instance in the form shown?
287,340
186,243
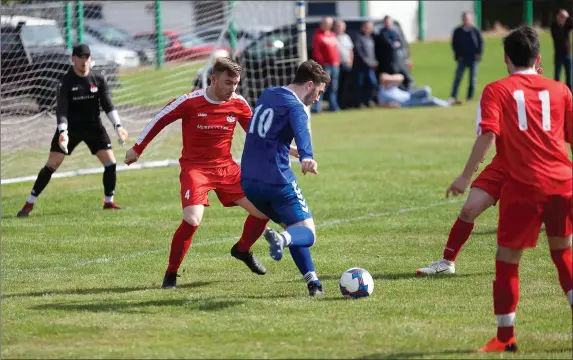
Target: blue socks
299,239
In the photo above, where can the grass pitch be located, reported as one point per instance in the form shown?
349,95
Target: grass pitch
78,282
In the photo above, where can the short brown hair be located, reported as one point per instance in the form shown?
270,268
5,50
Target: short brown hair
310,70
226,64
522,46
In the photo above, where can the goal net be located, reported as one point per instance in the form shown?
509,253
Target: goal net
265,37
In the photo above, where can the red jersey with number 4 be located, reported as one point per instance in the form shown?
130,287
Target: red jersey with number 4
207,127
532,117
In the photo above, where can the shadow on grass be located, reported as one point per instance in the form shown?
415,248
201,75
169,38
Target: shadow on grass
92,291
410,275
206,304
415,355
418,355
44,215
493,231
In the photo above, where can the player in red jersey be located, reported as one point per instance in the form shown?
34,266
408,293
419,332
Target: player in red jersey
530,118
208,118
484,193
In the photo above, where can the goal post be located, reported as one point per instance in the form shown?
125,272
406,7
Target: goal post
269,42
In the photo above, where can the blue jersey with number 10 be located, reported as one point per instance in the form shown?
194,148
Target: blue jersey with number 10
278,118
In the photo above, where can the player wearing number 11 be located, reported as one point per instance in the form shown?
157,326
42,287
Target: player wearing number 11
530,119
269,183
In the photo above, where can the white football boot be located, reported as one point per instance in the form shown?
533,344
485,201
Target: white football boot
439,267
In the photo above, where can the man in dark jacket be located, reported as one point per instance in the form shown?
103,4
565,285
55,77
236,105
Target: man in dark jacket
560,32
365,64
467,44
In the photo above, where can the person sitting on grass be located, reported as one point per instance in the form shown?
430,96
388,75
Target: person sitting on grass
391,96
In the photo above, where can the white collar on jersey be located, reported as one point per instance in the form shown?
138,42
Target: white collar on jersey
525,72
295,95
211,100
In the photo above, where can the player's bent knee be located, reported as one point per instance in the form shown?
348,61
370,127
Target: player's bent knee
193,214
559,242
508,255
192,219
55,160
472,209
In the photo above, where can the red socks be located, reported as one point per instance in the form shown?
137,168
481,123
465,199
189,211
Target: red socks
252,231
563,263
459,234
179,245
505,298
506,290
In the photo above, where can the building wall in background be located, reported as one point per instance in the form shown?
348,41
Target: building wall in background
441,17
405,12
139,16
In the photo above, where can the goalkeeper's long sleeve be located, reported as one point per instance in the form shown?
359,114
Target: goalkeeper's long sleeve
105,96
62,106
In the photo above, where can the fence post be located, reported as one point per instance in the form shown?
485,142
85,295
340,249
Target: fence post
477,12
68,24
80,20
529,12
421,33
363,8
159,32
232,31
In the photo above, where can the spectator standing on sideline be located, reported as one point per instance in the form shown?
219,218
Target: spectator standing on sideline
467,43
346,51
399,61
325,52
560,32
365,65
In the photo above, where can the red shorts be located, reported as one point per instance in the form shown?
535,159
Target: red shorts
197,182
490,180
523,210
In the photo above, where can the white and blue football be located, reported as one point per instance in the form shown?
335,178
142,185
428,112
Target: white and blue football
356,283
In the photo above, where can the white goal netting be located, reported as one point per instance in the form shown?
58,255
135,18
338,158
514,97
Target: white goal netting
263,37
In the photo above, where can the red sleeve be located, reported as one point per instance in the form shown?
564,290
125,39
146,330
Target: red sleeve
317,48
568,116
489,112
245,113
171,112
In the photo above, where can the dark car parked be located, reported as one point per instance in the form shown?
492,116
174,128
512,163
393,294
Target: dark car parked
34,58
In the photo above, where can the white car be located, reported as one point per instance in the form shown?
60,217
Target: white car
103,53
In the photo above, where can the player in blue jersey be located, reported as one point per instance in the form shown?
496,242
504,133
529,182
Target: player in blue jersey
280,116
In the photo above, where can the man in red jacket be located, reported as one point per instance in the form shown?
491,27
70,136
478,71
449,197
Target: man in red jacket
325,52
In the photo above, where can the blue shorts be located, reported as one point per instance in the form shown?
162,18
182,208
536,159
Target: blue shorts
281,203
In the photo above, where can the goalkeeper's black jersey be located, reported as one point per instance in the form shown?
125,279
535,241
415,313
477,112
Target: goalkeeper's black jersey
79,100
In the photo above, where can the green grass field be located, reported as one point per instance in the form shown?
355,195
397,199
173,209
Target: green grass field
78,282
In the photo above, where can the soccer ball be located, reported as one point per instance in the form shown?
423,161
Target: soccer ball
356,283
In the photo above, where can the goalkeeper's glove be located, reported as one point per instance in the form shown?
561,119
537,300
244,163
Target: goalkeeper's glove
63,141
121,134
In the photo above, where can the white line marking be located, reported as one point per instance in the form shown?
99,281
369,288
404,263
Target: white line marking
325,224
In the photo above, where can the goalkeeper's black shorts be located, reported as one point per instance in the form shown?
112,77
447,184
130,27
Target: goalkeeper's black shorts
95,138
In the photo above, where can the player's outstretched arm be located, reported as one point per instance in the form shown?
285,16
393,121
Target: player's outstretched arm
130,157
173,111
109,109
488,117
479,151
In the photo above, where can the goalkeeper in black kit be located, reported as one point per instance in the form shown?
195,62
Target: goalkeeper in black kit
80,95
